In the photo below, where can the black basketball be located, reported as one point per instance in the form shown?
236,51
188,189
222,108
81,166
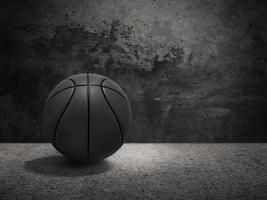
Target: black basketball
86,117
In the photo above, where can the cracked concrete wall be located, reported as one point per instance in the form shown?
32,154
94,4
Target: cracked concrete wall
194,71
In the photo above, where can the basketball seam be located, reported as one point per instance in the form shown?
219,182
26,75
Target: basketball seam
50,97
86,85
64,89
58,122
88,118
116,118
113,90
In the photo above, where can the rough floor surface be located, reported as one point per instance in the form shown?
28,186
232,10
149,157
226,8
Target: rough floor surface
137,171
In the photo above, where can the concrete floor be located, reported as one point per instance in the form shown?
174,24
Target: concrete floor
137,171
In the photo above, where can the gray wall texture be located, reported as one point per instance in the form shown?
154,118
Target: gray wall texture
194,70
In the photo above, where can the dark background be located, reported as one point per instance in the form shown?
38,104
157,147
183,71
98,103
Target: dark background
194,71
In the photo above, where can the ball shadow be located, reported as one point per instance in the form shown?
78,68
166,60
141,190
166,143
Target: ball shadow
61,166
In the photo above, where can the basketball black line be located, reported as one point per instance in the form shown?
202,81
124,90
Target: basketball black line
64,89
86,85
117,92
113,89
112,111
88,118
74,89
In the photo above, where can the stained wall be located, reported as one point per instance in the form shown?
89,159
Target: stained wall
194,71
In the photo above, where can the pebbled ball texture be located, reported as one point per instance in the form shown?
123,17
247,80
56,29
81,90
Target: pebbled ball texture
86,117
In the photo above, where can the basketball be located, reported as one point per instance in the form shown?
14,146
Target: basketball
86,117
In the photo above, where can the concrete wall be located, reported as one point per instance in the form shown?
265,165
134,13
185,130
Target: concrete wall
194,71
